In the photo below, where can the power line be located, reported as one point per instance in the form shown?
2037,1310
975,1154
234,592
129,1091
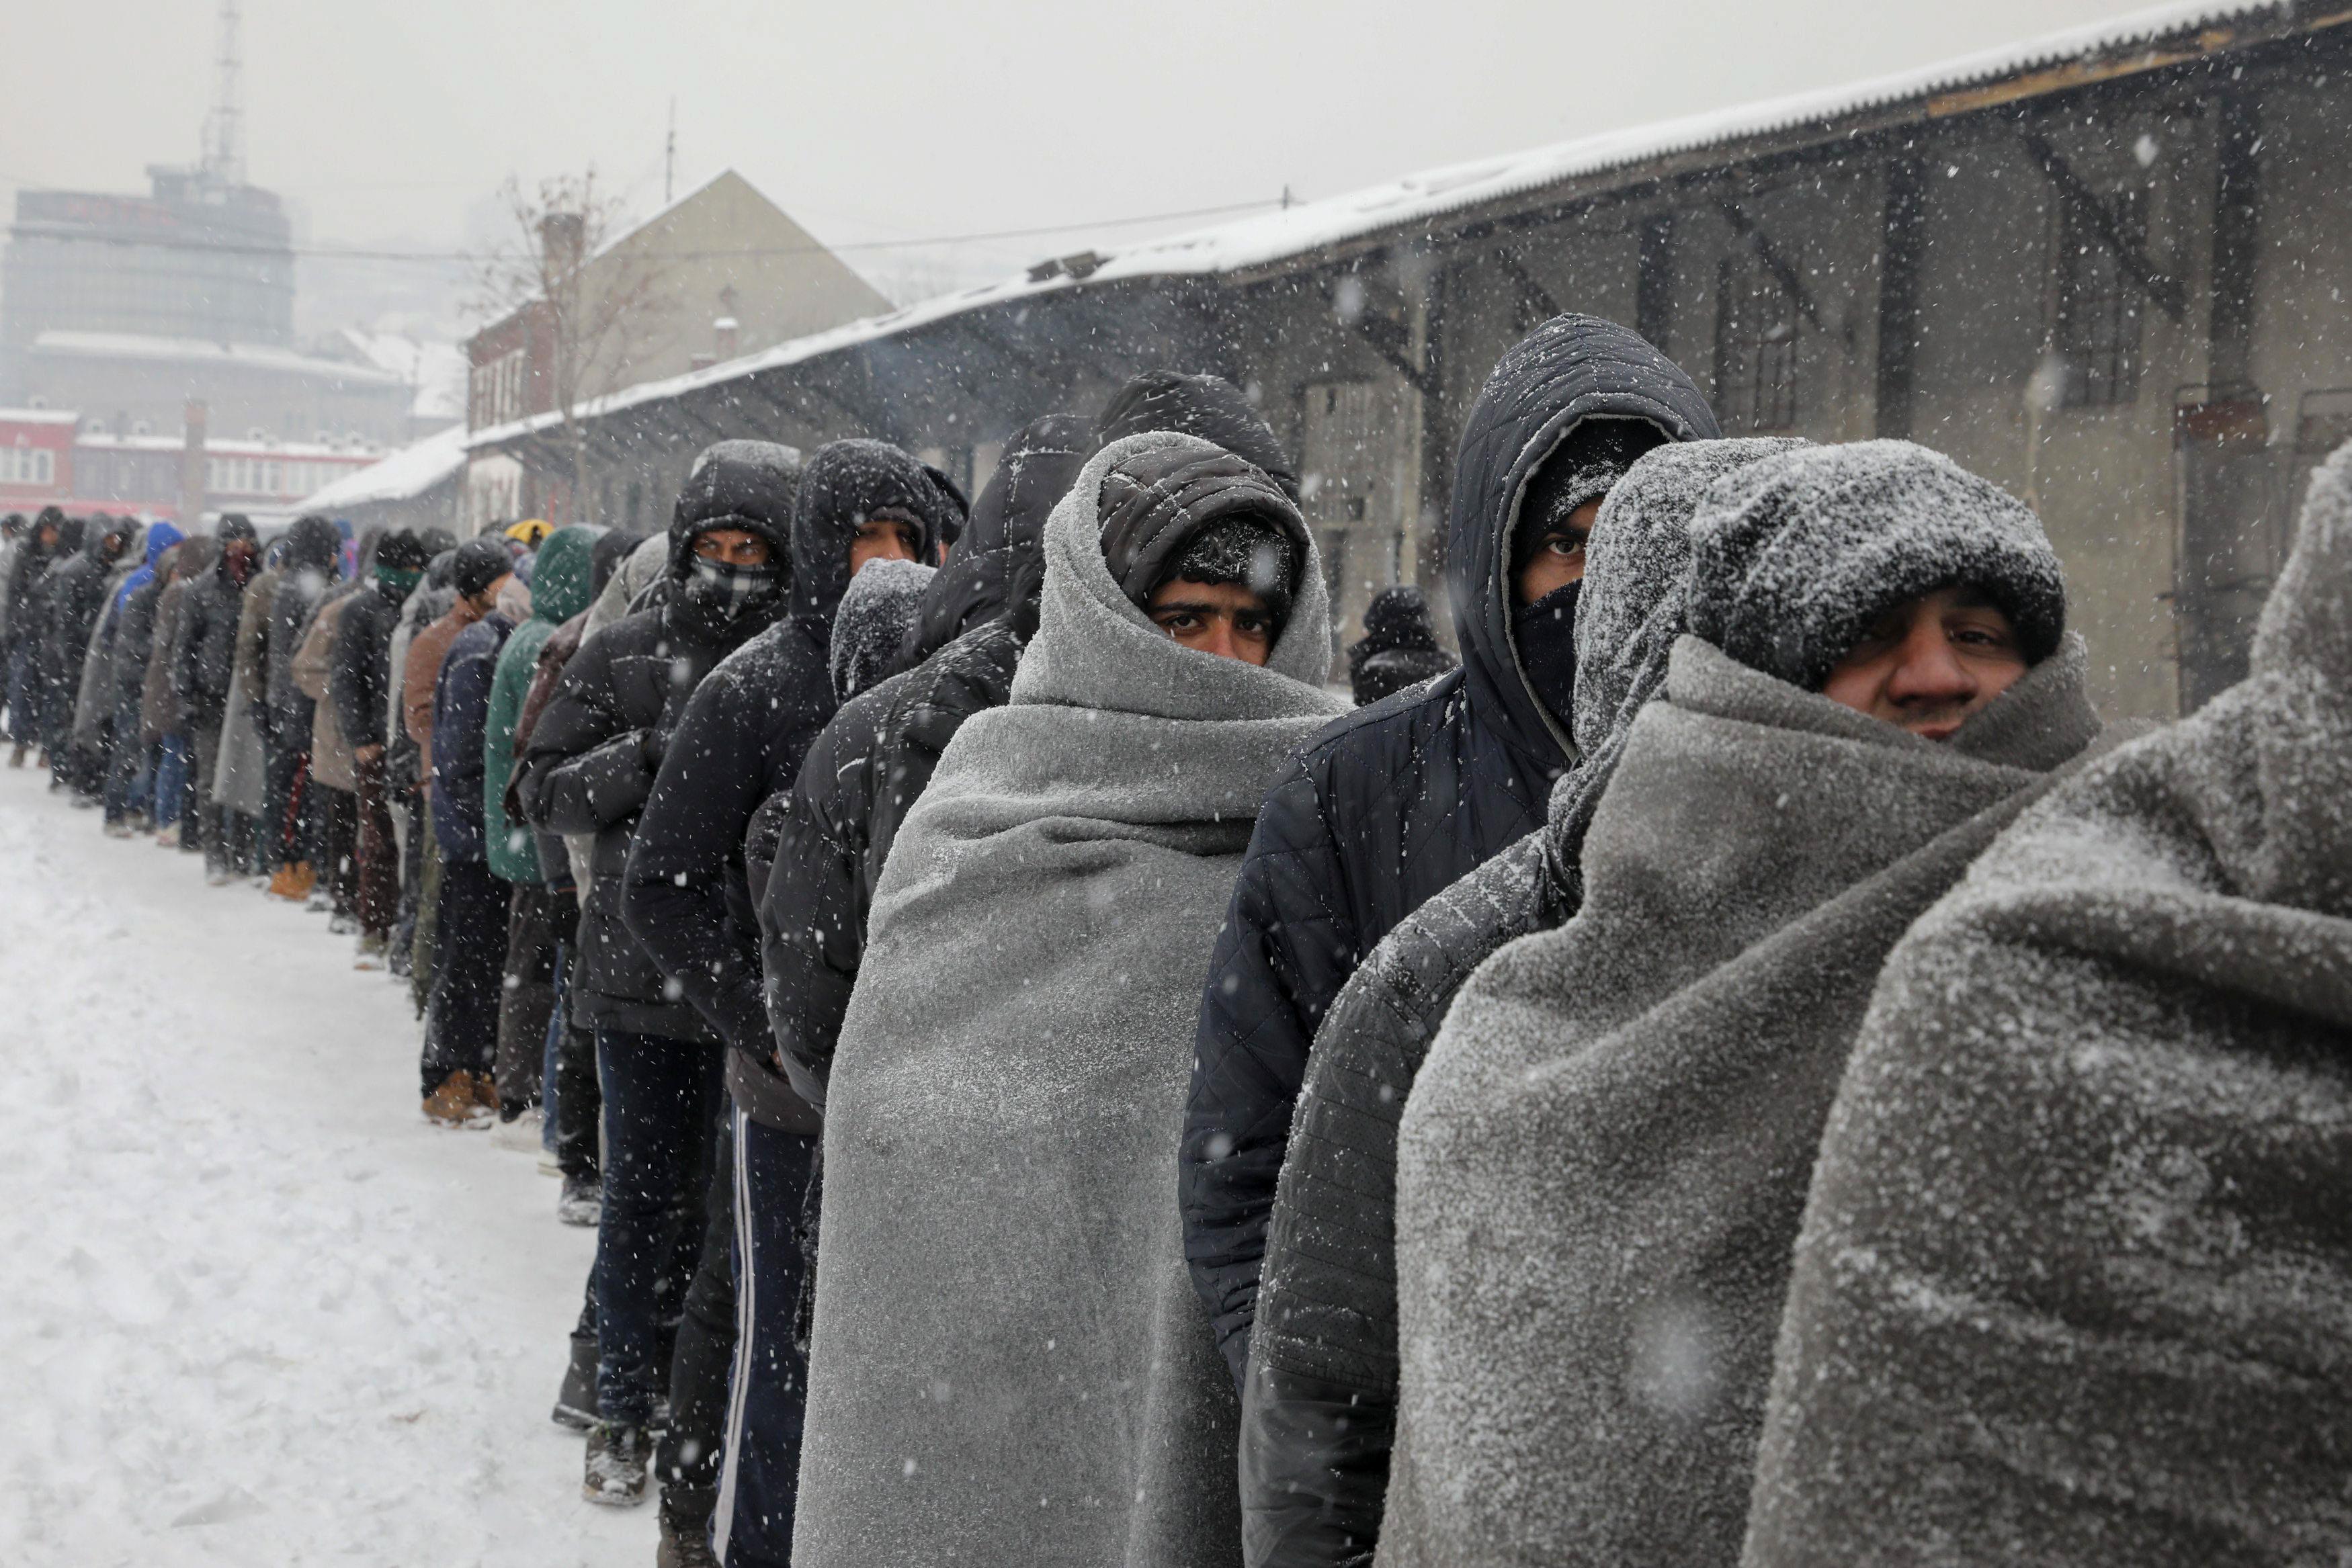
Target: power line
447,258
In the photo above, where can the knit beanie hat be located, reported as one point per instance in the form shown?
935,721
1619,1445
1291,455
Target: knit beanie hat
481,562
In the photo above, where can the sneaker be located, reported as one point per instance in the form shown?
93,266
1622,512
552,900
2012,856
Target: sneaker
220,877
581,1201
519,1131
320,902
120,830
549,1165
454,1104
616,1471
167,837
576,1402
85,802
342,923
685,1514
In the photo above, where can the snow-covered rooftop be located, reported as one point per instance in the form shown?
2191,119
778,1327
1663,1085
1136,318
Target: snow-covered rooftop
39,416
407,473
1270,238
197,351
438,370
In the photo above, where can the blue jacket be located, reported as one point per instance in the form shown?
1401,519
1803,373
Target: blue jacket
461,711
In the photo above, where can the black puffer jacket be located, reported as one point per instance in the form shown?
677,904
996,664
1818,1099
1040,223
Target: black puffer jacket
596,750
740,740
78,590
359,675
206,660
1389,805
1037,464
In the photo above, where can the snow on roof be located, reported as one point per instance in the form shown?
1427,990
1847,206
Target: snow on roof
39,416
1269,237
438,370
248,446
184,350
406,473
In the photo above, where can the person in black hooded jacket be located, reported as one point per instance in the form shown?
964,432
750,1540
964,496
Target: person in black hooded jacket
20,659
590,767
1394,803
312,564
203,662
740,740
1398,647
78,590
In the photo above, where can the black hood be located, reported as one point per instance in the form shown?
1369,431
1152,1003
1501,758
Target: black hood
1571,369
748,485
313,545
232,526
1210,407
1007,527
605,556
847,483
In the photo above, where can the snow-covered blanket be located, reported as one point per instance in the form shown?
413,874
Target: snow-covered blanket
1009,1363
1602,1165
2075,1284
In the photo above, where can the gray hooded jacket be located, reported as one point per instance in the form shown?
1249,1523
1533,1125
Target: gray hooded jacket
1008,1364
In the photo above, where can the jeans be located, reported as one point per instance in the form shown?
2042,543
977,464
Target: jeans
768,1388
661,1108
461,1026
133,773
171,764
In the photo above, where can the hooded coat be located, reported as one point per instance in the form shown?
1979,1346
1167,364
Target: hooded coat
1000,1256
134,621
1398,647
1392,804
461,711
559,589
78,590
2070,1288
94,702
1001,534
160,709
207,661
742,740
312,566
1319,1408
871,626
1603,1163
28,564
876,757
594,755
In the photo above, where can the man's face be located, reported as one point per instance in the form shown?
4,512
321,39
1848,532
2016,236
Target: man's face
883,538
1926,665
1559,560
733,547
48,536
1220,617
487,599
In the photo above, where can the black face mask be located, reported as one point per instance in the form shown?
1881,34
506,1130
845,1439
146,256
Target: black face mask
1545,634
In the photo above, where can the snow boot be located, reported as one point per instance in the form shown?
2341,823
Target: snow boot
685,1514
370,954
455,1104
120,831
293,882
342,923
576,1402
582,1202
616,1471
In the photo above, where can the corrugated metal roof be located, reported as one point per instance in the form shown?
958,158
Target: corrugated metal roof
1267,238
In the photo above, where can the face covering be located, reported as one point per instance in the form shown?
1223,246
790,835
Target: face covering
1545,634
731,591
400,582
239,564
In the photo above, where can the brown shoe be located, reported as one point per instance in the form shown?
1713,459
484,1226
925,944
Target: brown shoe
486,1093
293,881
454,1104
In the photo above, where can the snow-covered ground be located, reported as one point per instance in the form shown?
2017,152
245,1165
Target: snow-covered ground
253,1310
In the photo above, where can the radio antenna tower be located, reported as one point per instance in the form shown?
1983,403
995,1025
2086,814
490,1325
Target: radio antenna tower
225,126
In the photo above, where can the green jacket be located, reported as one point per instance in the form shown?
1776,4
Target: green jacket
562,585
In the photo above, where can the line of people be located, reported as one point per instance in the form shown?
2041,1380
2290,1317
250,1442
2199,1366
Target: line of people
1742,1068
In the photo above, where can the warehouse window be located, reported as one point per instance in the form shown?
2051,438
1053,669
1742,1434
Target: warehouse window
2099,306
1756,326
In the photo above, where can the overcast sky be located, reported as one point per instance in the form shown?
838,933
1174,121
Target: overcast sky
388,120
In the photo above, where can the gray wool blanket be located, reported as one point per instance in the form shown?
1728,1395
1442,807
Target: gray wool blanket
2074,1285
1602,1164
1009,1365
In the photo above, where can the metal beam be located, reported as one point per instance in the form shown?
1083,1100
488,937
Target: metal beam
2135,264
1390,340
1531,289
1774,262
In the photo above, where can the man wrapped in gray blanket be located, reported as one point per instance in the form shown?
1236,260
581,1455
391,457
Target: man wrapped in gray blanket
1602,1165
2074,1279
